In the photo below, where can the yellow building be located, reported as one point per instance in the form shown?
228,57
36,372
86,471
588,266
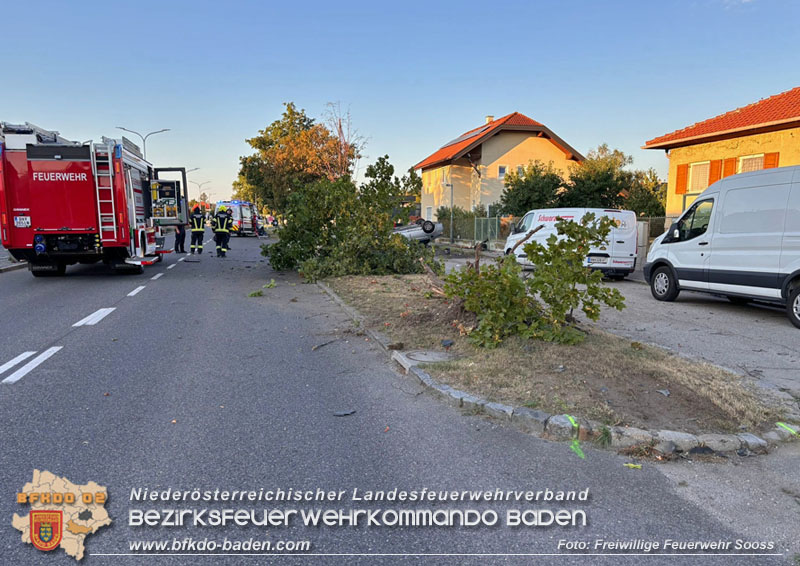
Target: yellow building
761,135
476,162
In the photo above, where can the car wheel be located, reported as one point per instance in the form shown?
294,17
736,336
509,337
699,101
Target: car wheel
793,306
428,226
663,285
738,300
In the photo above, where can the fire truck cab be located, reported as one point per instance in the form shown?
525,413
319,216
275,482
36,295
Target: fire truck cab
64,202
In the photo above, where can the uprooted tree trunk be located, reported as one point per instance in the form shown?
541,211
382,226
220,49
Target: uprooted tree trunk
434,282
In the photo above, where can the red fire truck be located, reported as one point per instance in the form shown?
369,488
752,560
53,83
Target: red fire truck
65,202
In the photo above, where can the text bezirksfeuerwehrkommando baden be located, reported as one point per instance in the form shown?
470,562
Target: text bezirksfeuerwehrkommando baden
356,495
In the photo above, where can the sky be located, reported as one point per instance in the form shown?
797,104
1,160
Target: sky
413,75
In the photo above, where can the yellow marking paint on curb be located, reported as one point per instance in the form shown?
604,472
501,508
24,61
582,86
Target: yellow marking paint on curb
576,444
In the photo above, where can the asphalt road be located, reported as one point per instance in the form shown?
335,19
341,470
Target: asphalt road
189,383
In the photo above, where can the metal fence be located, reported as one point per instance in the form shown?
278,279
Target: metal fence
472,229
657,224
487,229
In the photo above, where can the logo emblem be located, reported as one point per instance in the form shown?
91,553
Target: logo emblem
46,529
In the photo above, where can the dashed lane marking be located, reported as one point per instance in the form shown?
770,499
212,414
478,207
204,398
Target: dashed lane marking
136,291
183,258
11,363
95,317
156,276
171,266
24,370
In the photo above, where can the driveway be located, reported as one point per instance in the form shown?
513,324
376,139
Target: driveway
755,340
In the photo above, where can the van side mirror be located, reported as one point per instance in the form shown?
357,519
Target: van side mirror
673,234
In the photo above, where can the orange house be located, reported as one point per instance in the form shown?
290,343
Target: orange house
476,162
761,135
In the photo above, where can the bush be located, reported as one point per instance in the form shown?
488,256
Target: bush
537,186
562,282
499,298
542,305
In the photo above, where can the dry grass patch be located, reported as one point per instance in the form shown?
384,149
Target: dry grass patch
606,378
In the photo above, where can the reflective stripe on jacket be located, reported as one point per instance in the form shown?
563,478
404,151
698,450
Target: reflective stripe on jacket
198,222
222,223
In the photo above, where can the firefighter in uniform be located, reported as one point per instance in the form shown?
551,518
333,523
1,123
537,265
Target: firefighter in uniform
229,212
222,230
198,223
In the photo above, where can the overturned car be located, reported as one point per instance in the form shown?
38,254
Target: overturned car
423,231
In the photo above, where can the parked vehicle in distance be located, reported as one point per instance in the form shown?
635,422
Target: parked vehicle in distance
244,216
740,239
616,259
423,231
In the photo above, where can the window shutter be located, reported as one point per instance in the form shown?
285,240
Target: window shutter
729,167
715,171
771,160
682,179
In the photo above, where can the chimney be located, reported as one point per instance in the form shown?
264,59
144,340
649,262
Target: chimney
489,118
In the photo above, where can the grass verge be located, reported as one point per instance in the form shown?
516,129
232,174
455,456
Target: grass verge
605,378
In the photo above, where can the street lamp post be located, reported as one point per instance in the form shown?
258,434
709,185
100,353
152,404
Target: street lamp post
199,187
144,138
451,211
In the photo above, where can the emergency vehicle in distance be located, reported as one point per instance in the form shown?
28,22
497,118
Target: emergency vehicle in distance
245,216
65,202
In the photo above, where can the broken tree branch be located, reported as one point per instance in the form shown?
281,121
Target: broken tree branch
525,239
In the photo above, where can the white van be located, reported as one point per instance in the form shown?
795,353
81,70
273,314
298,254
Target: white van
740,239
616,259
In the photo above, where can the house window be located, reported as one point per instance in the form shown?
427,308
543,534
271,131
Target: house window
520,171
501,172
698,177
751,163
428,213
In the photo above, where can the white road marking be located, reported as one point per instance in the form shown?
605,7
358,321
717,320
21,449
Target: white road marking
171,266
24,370
135,291
156,276
11,363
183,258
95,317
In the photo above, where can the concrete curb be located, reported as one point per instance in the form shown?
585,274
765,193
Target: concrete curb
567,427
14,267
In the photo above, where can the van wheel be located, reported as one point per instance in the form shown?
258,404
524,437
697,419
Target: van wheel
663,285
793,306
738,300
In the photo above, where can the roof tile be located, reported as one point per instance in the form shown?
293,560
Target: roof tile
451,149
777,108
